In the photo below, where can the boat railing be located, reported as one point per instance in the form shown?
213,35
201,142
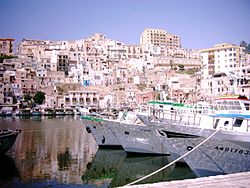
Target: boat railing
176,116
230,121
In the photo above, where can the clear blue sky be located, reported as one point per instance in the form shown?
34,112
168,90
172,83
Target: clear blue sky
199,23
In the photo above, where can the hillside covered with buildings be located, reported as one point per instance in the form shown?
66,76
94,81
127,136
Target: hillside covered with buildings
104,73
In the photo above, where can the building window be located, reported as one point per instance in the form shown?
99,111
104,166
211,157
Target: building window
87,100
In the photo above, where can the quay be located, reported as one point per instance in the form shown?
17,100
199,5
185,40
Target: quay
230,181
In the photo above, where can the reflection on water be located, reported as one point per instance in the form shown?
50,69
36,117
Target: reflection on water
58,151
134,168
117,169
104,166
51,149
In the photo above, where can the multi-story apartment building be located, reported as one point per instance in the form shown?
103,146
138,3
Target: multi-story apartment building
6,46
6,89
82,98
135,51
35,48
25,81
116,50
63,63
221,58
159,37
32,48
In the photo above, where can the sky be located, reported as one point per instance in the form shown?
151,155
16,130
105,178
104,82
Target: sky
199,23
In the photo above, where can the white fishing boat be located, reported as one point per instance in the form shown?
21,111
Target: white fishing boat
101,127
69,111
48,112
101,131
228,151
59,112
6,111
138,138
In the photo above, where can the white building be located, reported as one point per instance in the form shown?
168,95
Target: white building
82,98
219,58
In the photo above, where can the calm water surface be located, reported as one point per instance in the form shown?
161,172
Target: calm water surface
58,152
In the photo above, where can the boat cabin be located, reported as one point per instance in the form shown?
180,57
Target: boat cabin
236,104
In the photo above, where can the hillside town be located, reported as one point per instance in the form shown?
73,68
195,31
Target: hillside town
103,73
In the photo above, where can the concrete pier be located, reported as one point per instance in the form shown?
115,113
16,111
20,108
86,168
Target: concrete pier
241,180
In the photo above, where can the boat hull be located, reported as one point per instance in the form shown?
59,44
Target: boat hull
102,133
139,139
7,139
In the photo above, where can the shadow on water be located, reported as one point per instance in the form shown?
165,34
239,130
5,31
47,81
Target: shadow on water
8,169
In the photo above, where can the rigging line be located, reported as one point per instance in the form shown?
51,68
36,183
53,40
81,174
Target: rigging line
136,181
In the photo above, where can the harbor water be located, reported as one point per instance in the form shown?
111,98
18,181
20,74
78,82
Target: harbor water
58,152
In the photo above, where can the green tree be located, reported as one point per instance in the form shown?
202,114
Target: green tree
39,97
2,57
181,67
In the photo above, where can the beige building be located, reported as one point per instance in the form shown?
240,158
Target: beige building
6,46
159,37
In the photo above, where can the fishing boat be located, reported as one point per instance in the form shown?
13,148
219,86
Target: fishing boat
226,152
138,138
48,112
99,125
7,139
36,112
6,111
101,131
24,112
69,111
59,112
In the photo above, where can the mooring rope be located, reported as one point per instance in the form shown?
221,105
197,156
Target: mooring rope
166,166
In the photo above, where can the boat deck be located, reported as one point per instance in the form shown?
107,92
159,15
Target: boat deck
230,180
